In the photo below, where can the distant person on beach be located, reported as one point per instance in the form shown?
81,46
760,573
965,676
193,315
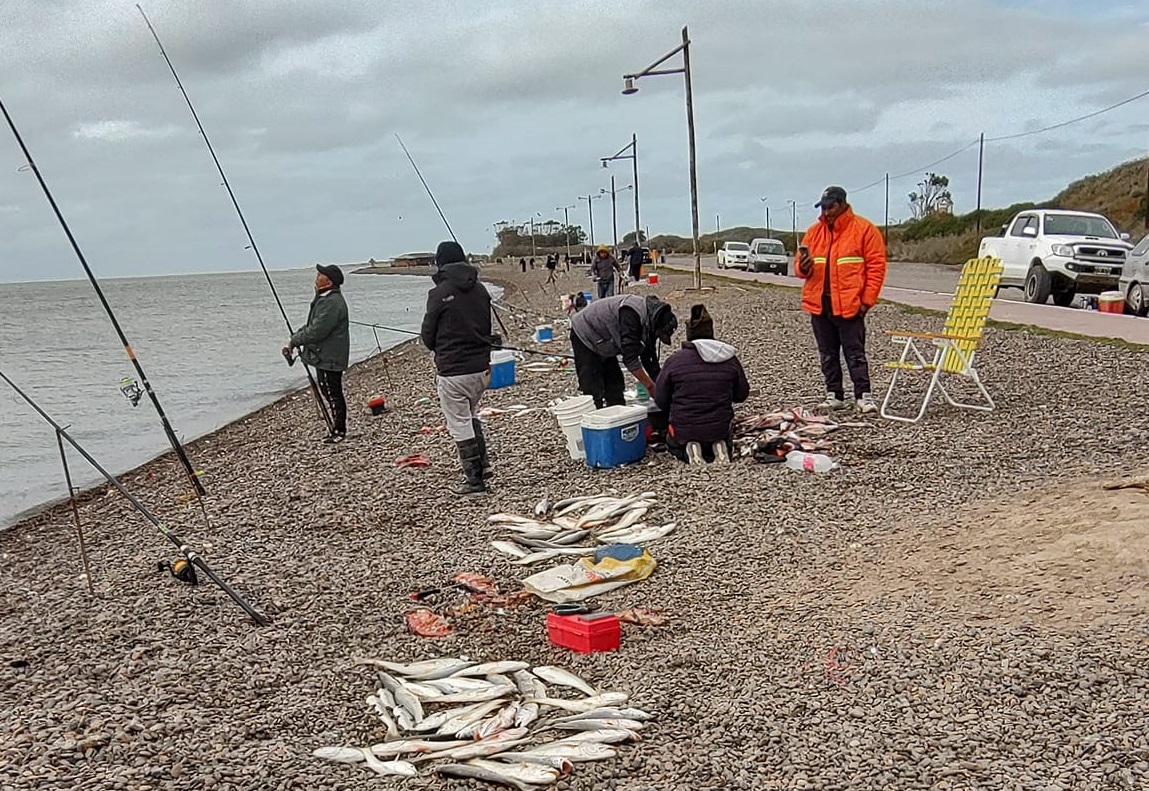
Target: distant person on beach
626,325
523,264
697,389
552,265
457,328
324,343
532,262
603,271
635,256
842,258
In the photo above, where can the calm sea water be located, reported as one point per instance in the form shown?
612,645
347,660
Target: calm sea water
208,343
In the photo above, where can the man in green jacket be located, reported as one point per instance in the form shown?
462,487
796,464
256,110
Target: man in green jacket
324,343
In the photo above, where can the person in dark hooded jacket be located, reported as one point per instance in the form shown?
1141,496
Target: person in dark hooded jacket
629,326
324,343
457,328
697,388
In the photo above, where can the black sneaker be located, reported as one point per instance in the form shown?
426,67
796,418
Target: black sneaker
334,439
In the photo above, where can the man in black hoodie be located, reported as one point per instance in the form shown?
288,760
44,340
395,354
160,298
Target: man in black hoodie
457,328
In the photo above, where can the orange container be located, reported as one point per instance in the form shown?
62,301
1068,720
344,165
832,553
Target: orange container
1111,302
652,278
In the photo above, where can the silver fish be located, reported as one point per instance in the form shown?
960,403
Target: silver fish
404,719
507,548
555,761
630,517
586,704
498,743
609,714
543,507
564,678
386,768
566,522
420,671
566,539
384,715
477,695
602,736
576,751
487,668
473,714
457,684
502,721
422,691
595,725
481,773
434,721
643,536
386,698
403,746
403,696
341,755
532,774
527,713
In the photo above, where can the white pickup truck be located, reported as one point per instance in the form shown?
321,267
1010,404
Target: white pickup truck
734,255
1051,252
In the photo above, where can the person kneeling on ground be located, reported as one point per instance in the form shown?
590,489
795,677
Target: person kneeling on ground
698,388
457,328
627,325
324,343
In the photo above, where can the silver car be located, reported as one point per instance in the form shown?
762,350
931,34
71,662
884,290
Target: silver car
1134,282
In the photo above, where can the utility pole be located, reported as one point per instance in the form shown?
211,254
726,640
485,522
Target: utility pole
614,216
887,236
794,223
590,213
980,161
567,225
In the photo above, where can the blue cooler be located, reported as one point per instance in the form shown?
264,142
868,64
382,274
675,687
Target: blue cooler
588,296
544,333
502,369
614,436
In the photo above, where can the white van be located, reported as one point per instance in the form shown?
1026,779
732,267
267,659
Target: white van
769,255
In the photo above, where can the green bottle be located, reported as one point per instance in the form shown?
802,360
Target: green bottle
640,393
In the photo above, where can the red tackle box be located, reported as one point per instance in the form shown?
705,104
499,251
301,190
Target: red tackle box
584,633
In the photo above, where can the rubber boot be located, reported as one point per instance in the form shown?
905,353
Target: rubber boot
472,460
484,459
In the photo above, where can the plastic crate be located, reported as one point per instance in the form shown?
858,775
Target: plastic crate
585,634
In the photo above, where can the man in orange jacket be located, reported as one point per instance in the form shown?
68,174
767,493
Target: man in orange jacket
842,258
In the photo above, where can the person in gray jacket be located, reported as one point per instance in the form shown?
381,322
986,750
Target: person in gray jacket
629,326
324,343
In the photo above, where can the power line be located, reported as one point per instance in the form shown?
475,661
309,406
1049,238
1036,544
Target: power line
1087,116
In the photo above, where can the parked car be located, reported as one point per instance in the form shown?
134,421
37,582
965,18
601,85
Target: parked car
1051,252
734,255
769,255
1134,280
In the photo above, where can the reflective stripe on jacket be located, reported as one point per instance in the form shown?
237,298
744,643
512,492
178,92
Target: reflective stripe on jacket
856,255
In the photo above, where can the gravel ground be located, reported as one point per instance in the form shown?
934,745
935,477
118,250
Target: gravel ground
794,658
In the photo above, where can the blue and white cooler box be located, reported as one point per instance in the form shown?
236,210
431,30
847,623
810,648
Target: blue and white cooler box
502,369
544,333
614,436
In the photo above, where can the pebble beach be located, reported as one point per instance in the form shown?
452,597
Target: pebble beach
960,605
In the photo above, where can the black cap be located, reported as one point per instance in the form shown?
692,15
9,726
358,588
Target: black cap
449,252
334,273
830,196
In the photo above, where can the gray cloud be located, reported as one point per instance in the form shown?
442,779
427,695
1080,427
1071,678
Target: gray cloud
508,112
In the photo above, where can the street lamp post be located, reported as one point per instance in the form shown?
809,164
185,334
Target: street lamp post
614,212
629,88
767,216
590,213
633,157
567,225
794,222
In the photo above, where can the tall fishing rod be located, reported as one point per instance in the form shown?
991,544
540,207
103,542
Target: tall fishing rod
443,217
493,345
192,556
177,446
242,219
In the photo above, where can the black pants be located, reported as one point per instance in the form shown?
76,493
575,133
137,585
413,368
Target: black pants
838,337
598,378
331,385
635,271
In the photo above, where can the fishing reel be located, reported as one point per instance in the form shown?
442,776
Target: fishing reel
131,390
182,570
288,356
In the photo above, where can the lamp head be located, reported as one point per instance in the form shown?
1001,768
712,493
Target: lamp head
628,86
604,163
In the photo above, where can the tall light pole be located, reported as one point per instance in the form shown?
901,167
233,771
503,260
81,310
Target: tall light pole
614,212
633,157
794,223
767,216
567,225
628,89
590,213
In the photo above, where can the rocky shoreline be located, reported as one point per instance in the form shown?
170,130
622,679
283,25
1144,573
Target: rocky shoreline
826,632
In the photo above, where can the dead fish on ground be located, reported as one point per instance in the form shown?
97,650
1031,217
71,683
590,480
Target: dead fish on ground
403,696
609,714
586,704
404,746
507,548
340,755
489,668
564,678
384,715
599,724
498,743
601,736
543,508
435,721
564,765
481,773
472,714
477,695
575,751
532,774
389,768
420,671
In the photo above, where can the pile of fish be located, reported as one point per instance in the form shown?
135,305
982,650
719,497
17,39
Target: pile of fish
560,529
479,723
771,436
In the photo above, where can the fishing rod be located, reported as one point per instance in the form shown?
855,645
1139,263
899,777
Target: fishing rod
192,473
322,407
192,556
493,345
443,217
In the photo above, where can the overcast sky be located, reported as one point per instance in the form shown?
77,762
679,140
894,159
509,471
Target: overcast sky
508,105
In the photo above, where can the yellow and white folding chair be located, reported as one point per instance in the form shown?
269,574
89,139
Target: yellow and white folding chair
955,346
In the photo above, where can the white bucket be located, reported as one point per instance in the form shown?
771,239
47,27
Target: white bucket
569,413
